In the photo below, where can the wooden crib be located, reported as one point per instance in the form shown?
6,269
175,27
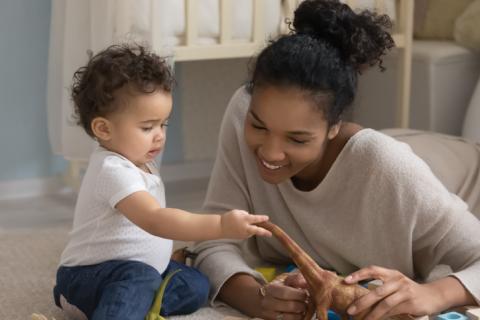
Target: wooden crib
190,44
225,47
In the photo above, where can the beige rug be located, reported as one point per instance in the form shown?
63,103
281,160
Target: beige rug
28,262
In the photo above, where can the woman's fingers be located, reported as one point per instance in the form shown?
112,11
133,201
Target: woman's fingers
296,280
382,300
371,298
280,291
278,298
372,272
398,294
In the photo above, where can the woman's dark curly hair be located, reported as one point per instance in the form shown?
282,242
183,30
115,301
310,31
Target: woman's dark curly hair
95,85
328,47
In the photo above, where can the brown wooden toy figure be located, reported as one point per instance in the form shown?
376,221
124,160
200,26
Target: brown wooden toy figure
327,290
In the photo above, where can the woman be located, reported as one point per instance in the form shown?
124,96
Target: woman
358,201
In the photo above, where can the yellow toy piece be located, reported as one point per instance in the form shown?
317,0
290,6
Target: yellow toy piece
268,273
154,313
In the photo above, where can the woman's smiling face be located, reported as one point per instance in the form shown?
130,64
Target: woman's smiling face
287,133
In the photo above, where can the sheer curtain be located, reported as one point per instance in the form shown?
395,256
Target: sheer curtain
76,28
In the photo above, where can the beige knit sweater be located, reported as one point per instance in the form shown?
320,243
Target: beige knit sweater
379,204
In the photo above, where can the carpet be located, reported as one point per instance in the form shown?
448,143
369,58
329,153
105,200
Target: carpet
29,259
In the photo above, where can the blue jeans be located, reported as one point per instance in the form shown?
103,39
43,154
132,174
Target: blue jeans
125,289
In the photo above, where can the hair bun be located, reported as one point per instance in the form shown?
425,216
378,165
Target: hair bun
361,38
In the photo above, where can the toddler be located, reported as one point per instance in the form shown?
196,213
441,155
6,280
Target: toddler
121,242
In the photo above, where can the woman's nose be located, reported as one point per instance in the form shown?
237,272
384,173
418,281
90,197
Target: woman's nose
271,151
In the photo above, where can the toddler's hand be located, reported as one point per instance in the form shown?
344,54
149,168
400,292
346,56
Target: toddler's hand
239,224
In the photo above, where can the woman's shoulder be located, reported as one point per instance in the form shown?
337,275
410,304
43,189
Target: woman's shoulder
454,160
370,142
377,152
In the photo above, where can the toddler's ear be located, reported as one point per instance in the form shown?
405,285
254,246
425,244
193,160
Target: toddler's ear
101,128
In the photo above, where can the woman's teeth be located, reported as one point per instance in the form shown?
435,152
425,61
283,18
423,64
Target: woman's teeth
270,166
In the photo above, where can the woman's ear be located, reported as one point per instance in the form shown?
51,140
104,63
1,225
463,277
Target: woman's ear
101,128
333,130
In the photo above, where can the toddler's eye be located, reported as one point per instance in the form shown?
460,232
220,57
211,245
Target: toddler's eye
147,129
164,125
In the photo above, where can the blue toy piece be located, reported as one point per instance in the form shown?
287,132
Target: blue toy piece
451,316
332,315
291,267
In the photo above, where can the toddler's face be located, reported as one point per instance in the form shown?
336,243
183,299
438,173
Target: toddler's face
138,131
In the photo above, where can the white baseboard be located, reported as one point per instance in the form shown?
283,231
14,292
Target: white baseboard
173,172
24,188
170,172
186,171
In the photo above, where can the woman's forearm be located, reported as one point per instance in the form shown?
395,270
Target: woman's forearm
452,293
241,292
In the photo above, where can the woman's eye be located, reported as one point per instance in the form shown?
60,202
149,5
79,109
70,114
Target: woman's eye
257,127
296,141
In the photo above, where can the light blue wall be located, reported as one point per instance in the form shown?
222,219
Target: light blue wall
24,33
24,148
174,145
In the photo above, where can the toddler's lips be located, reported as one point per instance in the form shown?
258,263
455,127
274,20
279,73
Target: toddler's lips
153,153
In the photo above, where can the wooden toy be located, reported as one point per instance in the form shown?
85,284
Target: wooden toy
327,290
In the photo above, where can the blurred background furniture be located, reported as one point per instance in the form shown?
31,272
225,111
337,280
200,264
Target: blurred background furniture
445,71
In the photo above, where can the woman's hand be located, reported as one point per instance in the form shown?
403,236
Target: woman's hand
398,294
273,301
284,298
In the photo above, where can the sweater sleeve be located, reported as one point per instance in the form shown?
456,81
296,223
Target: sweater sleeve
443,230
446,232
221,259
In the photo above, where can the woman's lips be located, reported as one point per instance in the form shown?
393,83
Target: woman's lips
269,165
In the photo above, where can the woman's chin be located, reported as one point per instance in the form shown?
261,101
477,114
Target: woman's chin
272,176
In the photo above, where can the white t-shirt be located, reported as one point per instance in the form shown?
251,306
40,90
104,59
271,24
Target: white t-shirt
100,232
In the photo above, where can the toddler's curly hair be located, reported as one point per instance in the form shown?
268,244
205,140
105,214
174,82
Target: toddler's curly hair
96,84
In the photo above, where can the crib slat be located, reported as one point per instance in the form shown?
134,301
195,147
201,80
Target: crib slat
288,7
155,30
225,21
191,21
405,28
258,27
352,3
380,6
